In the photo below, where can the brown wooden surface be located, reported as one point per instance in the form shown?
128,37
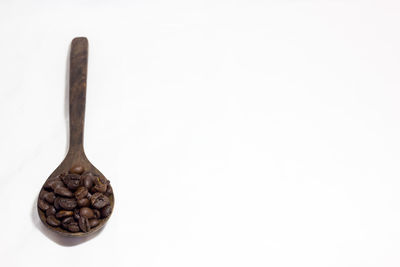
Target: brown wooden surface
77,100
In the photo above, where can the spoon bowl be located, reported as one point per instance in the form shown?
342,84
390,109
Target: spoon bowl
76,155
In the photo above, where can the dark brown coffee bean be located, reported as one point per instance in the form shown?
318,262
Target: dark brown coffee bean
42,193
48,184
106,211
55,184
43,204
72,181
84,224
109,191
99,200
51,220
49,197
57,203
97,214
81,192
86,212
76,169
73,227
61,175
93,223
84,202
50,211
64,213
100,184
63,191
76,214
66,221
67,203
87,179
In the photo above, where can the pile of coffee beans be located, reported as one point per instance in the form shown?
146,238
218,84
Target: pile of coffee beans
76,201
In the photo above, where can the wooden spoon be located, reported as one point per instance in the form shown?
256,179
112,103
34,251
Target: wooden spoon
76,155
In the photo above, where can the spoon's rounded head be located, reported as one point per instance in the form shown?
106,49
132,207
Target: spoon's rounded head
76,200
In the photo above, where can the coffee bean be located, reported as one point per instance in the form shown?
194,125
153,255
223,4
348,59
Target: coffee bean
84,202
84,224
109,191
50,211
100,184
67,221
61,175
76,214
57,203
106,211
86,212
51,220
81,192
73,227
67,203
64,213
43,204
53,184
99,200
49,197
89,196
87,179
42,193
73,181
48,184
76,169
93,223
63,191
97,213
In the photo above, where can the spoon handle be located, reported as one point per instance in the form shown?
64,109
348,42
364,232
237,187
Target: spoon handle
77,92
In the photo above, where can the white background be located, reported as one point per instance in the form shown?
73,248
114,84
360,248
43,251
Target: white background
235,133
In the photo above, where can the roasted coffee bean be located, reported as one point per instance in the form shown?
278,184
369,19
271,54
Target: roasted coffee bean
76,214
73,181
87,180
84,224
81,192
73,227
86,212
97,214
63,191
61,175
67,203
57,203
109,191
47,185
53,184
106,211
42,194
64,213
76,169
43,204
49,197
100,184
93,223
89,196
51,220
99,200
66,221
50,211
84,202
